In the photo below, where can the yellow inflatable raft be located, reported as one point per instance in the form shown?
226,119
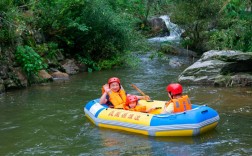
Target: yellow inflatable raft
190,123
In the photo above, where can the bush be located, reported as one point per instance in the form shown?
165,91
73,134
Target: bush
91,29
9,26
29,60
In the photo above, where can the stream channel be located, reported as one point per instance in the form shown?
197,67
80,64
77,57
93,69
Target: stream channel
48,119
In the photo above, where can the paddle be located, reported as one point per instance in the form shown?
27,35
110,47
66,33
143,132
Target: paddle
169,95
155,110
141,92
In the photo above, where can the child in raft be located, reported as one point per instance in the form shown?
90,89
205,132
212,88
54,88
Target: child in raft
114,95
178,102
132,105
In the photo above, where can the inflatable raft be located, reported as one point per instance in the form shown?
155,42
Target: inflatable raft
190,123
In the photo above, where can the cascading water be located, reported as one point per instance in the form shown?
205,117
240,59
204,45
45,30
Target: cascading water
175,31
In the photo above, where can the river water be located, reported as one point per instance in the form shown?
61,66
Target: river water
48,119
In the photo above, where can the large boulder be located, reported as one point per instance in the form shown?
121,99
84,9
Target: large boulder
70,66
60,76
44,75
41,77
158,27
222,68
16,79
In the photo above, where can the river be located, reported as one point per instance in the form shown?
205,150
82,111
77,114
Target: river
48,119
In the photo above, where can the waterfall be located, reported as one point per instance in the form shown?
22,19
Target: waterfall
175,31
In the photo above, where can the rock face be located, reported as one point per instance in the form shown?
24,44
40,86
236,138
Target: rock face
158,27
221,68
60,75
70,66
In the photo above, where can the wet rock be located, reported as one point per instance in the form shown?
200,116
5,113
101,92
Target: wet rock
82,67
70,66
158,27
41,77
19,78
175,62
16,79
223,68
59,75
10,84
44,75
237,80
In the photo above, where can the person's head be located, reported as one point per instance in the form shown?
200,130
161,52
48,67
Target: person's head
131,101
174,89
114,84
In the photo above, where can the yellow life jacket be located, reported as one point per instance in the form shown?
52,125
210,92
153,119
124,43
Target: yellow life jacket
181,104
118,99
137,108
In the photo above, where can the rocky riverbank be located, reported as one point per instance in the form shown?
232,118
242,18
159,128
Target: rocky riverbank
13,77
220,68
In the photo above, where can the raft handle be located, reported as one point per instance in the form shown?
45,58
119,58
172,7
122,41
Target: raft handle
205,111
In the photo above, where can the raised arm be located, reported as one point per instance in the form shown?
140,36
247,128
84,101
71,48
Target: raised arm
103,98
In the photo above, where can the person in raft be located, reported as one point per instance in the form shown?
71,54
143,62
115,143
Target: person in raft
178,102
114,95
132,105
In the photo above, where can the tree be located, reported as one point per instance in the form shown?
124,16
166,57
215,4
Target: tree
234,29
223,24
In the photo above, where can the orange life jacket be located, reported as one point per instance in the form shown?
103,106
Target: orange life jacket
118,99
137,108
181,104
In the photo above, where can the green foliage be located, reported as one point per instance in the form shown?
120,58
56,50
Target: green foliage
5,5
57,17
93,30
215,24
48,50
87,61
9,16
195,17
138,11
99,31
235,31
237,37
29,60
109,34
129,60
108,64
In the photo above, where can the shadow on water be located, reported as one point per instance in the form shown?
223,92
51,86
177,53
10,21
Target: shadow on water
49,119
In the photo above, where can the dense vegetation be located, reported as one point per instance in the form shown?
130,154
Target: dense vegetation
219,24
101,33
